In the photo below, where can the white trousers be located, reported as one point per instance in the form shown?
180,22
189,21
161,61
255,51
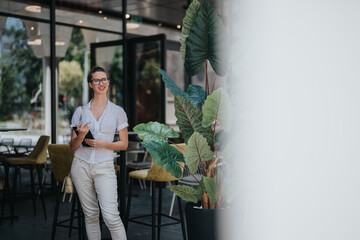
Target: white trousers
95,182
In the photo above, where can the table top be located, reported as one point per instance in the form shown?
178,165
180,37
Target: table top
12,129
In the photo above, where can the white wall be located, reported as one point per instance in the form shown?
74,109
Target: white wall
297,73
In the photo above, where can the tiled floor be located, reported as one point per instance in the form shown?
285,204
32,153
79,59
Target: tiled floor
28,226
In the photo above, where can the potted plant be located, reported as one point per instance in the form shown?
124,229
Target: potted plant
202,114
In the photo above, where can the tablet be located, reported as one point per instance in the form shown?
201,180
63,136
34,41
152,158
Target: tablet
88,136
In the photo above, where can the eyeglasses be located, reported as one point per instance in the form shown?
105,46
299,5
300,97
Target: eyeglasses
97,81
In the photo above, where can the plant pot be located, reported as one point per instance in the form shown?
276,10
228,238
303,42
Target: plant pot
201,223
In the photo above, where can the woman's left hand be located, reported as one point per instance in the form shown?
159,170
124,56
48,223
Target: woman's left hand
95,143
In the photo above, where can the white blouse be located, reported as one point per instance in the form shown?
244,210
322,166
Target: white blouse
112,120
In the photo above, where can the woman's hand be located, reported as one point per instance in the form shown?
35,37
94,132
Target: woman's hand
95,143
83,129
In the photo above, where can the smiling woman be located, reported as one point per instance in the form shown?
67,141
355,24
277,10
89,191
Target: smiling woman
93,171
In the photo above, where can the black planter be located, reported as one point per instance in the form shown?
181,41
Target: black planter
201,223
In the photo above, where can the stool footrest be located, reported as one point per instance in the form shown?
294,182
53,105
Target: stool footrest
133,219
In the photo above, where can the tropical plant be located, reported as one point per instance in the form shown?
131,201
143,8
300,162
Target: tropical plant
201,113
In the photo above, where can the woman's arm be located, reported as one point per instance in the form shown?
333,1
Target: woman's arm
76,140
122,144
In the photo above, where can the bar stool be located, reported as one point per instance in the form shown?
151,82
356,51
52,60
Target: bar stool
35,159
157,176
61,157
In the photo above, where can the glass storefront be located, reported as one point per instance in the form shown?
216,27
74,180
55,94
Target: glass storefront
25,72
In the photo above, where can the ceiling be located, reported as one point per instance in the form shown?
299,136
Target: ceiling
150,16
167,12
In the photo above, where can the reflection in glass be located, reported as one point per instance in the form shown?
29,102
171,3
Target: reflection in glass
147,82
21,74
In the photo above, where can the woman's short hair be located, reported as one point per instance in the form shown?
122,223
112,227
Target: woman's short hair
94,70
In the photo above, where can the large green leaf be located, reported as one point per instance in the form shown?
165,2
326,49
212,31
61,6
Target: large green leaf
196,94
188,23
171,85
166,156
189,119
154,131
185,192
210,186
217,107
207,40
196,151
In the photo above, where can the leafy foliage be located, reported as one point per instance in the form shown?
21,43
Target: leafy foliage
171,85
185,192
76,48
154,131
198,111
70,79
21,73
196,94
197,151
189,119
217,108
204,42
210,186
188,23
165,156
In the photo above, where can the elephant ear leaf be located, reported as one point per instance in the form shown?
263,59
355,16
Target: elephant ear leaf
217,108
171,85
206,41
165,156
210,186
154,131
196,94
188,23
187,193
189,119
197,150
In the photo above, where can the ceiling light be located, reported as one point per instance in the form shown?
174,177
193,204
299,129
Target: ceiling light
159,24
105,18
178,26
100,12
132,25
127,16
36,42
81,21
32,28
33,8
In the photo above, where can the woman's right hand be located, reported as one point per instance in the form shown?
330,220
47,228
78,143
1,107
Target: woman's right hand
83,129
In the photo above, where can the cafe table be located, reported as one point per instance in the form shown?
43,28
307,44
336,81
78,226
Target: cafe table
12,129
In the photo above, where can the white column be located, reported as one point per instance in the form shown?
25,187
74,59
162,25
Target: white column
46,94
85,94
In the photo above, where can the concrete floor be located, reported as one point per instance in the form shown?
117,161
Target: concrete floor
29,227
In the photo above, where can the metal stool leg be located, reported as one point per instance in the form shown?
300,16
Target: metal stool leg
128,204
153,213
33,188
72,214
57,206
159,209
38,167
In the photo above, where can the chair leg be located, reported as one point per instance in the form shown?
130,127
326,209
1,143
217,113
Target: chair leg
57,205
38,167
6,191
172,205
153,213
79,218
159,209
16,171
33,188
72,213
128,205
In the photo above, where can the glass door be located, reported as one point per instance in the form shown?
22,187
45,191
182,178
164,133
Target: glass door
142,93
